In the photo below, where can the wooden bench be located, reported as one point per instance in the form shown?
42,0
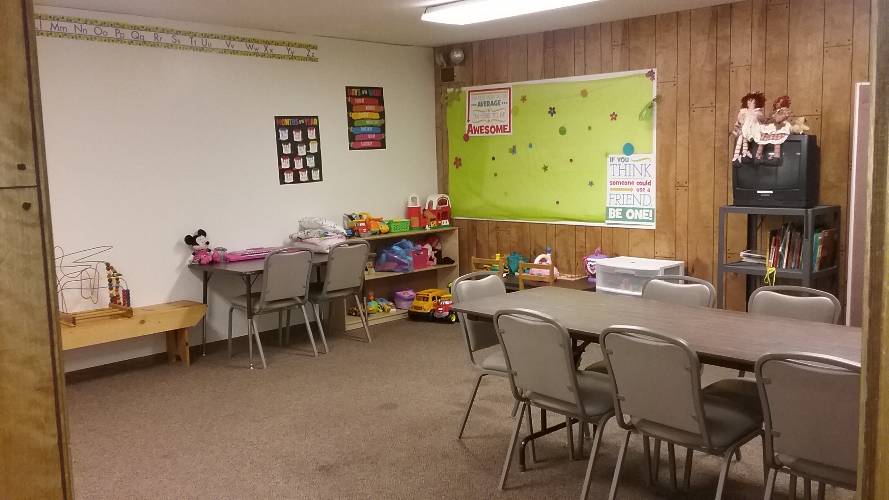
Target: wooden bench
173,318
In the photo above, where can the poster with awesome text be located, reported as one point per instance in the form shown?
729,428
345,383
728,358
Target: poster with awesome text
299,149
366,115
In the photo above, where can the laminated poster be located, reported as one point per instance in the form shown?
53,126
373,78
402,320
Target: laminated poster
366,116
299,149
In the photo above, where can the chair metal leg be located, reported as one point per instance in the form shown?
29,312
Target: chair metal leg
280,328
515,408
617,467
531,431
469,404
770,484
250,341
671,453
738,454
646,449
230,311
258,345
570,428
317,310
723,473
791,491
287,330
588,478
363,314
309,329
807,489
821,493
686,472
581,433
512,443
656,464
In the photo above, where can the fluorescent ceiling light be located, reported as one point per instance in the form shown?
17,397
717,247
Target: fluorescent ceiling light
478,11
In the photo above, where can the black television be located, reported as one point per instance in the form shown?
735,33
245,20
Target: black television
788,182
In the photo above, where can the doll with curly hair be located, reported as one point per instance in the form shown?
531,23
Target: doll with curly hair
775,130
750,117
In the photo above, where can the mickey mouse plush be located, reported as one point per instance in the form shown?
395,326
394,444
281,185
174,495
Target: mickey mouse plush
200,247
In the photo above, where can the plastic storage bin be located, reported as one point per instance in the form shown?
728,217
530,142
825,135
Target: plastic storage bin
627,275
404,299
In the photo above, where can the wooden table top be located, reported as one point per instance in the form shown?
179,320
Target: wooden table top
249,267
720,337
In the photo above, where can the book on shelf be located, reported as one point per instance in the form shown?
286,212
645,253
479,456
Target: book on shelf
753,256
785,247
824,243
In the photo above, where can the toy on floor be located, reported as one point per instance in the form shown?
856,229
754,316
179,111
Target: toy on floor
512,262
544,258
373,305
433,304
589,263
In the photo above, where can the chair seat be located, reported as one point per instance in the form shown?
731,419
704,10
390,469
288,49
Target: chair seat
491,359
732,411
317,295
834,475
595,393
240,302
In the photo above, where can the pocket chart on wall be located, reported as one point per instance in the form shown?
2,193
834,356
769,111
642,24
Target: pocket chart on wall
299,149
572,150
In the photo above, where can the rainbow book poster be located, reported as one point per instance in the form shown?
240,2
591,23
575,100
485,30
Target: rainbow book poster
366,115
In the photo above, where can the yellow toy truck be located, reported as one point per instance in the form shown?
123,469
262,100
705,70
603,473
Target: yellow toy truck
433,304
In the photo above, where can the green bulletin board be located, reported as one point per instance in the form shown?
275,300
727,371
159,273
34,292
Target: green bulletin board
553,164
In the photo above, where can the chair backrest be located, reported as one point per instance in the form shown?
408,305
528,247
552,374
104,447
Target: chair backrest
655,378
479,332
345,266
539,358
795,302
684,290
549,276
819,426
285,276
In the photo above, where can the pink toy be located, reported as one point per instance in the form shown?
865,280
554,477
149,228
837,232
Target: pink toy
200,247
589,263
250,253
544,258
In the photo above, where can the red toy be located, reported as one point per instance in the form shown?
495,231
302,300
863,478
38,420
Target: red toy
438,206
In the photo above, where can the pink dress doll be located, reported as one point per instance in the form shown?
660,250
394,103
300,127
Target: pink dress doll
776,129
750,117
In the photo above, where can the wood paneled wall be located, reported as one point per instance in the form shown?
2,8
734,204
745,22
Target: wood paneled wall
34,461
813,50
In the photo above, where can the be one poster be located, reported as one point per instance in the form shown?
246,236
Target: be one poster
366,113
631,194
299,149
489,112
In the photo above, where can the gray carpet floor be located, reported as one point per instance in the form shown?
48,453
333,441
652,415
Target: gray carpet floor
365,421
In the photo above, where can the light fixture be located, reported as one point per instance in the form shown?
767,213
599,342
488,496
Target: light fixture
478,11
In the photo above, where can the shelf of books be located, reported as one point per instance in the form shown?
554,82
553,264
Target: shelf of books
803,248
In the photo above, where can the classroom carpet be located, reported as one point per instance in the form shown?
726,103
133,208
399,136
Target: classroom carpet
366,421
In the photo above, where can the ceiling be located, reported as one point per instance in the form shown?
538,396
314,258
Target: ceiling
386,21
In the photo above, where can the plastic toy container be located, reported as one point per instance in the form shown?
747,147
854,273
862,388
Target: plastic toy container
399,225
421,258
404,299
627,275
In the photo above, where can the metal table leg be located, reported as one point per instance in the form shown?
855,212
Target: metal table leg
249,284
542,432
204,319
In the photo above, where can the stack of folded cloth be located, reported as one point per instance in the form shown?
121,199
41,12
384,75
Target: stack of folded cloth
318,235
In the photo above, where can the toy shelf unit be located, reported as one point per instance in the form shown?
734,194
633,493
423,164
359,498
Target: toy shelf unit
385,284
804,265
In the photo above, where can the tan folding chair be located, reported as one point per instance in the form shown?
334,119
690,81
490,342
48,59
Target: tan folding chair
811,434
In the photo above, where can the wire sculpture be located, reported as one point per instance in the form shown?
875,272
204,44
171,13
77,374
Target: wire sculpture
82,271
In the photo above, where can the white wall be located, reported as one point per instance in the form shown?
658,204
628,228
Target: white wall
144,145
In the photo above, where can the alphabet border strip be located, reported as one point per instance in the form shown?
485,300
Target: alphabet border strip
79,28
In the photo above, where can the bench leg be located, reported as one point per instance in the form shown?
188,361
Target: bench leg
177,346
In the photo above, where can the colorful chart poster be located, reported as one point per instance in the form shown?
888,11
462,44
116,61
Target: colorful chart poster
631,194
489,111
299,149
366,113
